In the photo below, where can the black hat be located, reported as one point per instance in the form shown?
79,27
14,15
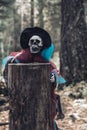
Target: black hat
29,32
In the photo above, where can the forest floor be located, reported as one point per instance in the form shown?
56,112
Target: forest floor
74,105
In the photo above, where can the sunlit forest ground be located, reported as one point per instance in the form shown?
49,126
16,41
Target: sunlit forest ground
74,102
74,105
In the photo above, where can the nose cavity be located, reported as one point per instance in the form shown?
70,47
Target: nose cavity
34,42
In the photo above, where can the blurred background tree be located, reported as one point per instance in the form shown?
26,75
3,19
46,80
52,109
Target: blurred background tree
73,52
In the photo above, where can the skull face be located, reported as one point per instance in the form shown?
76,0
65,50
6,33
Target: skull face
35,44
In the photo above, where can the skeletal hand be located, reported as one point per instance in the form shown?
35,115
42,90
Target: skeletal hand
52,77
59,116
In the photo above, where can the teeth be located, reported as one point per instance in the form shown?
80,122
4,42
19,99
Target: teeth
34,49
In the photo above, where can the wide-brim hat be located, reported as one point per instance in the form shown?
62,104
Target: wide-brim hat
29,32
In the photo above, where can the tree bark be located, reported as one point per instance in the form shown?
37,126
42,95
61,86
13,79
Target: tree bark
29,96
32,13
41,14
73,51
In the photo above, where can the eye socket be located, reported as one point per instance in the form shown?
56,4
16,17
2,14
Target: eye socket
32,41
37,41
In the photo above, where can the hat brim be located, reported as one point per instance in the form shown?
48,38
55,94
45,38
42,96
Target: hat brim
29,32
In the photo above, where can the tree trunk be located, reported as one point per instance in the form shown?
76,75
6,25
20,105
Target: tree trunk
30,97
41,14
32,13
73,51
18,25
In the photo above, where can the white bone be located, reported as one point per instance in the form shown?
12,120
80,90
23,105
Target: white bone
35,38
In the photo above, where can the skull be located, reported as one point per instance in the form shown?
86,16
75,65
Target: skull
35,44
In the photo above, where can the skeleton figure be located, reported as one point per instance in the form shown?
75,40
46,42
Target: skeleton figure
35,44
37,47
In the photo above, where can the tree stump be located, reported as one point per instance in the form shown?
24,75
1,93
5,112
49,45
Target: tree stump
29,96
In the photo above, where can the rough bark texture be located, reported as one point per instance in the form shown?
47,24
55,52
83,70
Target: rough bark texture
73,51
29,97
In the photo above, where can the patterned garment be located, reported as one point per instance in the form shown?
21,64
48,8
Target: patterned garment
26,57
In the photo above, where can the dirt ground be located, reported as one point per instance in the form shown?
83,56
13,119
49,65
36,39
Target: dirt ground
74,104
